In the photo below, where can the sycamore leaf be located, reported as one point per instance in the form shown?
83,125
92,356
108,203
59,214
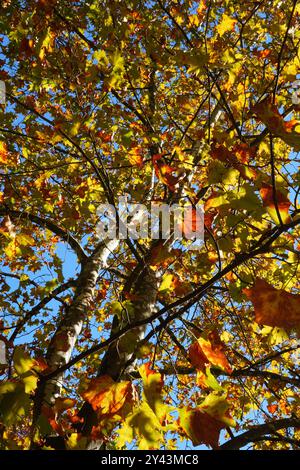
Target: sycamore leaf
153,384
207,380
165,174
24,239
288,131
162,256
200,427
63,404
30,380
107,396
3,153
192,223
274,307
76,442
167,283
135,157
143,425
204,352
22,361
226,24
283,204
14,402
217,407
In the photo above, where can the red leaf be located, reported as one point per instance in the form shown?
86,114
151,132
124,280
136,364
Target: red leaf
267,112
274,307
283,203
107,396
200,427
205,352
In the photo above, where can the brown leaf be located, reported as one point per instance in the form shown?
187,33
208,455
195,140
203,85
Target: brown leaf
274,307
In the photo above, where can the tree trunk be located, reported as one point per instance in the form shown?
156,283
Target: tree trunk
63,342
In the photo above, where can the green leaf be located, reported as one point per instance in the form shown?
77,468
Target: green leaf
22,361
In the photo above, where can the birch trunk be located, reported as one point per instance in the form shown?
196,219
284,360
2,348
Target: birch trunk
63,342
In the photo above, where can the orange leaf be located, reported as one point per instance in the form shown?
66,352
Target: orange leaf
3,153
204,352
200,427
272,408
50,414
274,307
135,157
165,172
267,112
62,404
107,396
192,222
283,203
162,256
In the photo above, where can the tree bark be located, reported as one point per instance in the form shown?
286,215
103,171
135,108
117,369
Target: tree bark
144,290
63,341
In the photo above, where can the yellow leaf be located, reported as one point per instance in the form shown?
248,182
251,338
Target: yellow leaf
30,381
167,282
3,153
226,24
143,425
22,361
76,442
153,384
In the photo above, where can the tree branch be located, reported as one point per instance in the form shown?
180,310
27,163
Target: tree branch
240,441
50,225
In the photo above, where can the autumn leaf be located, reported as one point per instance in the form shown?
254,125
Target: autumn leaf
143,425
14,402
107,396
288,131
226,24
274,307
63,403
135,157
203,424
161,255
192,222
204,352
22,361
3,153
152,389
283,203
166,174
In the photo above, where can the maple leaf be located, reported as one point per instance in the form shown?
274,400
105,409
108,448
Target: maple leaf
135,157
107,396
274,307
192,223
204,352
143,425
283,203
226,24
152,387
200,427
3,153
164,172
288,131
161,255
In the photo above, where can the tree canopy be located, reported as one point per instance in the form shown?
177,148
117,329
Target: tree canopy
120,344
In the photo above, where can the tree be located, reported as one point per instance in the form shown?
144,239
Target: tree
114,342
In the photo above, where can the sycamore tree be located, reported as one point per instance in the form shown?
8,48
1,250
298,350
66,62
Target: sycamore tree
113,343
